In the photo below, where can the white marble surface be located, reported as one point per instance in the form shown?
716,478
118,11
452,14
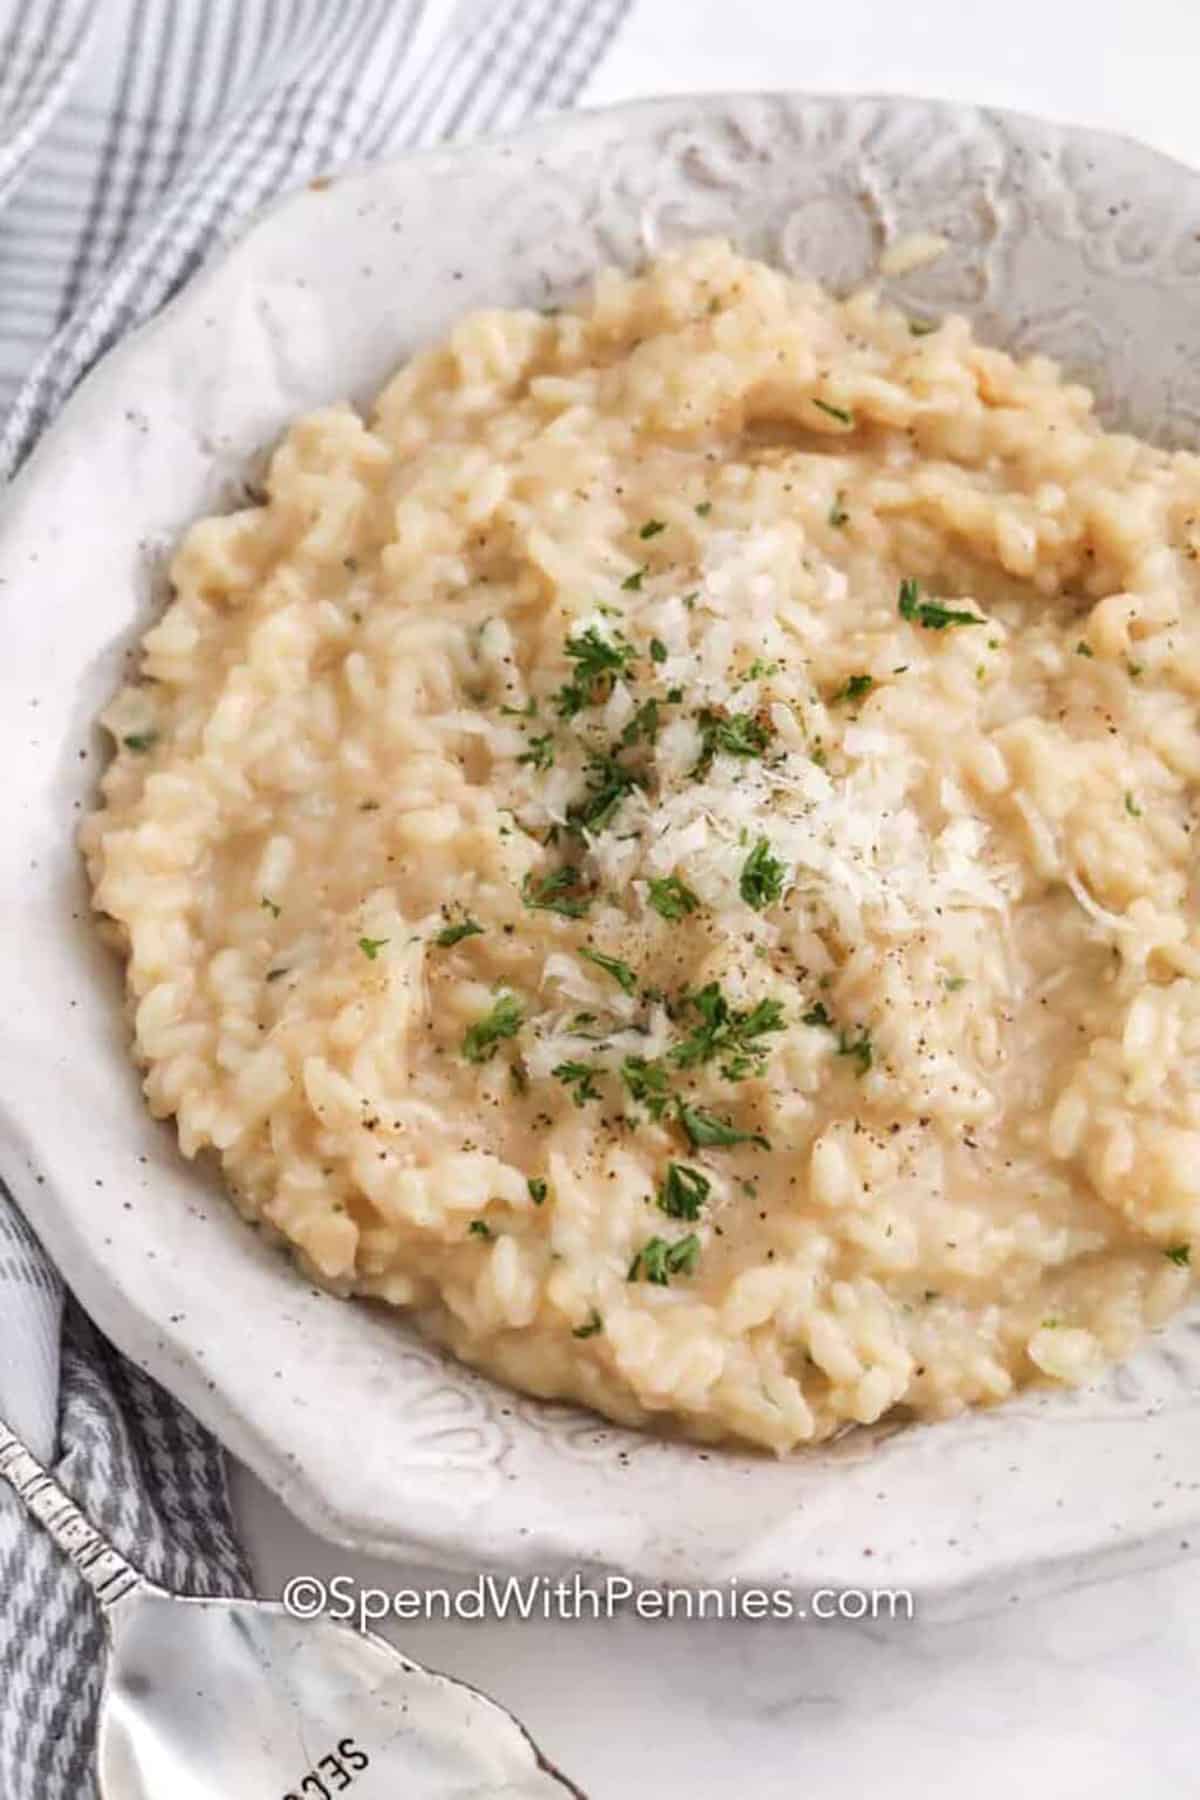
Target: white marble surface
1074,1696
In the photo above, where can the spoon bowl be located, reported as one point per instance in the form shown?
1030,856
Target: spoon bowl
236,1698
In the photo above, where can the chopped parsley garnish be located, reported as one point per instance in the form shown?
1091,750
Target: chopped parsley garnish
480,1228
930,613
860,1048
608,781
837,512
922,327
371,947
1132,807
557,892
632,584
857,688
954,984
595,655
730,734
528,711
540,754
580,1077
706,1131
671,898
454,934
651,528
834,412
482,1039
643,724
648,1084
658,650
595,1325
818,1015
140,741
621,973
761,881
657,1260
1084,649
703,509
683,1191
1180,1255
598,661
734,1037
538,1189
270,906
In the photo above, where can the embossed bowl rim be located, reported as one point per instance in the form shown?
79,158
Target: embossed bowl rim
1057,235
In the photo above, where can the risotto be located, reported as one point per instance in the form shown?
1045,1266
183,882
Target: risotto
667,853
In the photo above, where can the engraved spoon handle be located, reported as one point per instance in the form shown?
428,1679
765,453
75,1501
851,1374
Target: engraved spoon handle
104,1569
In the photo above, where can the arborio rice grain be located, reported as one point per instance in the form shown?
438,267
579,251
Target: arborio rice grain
668,852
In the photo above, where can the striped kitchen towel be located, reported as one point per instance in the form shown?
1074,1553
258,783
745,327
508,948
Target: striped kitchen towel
142,1469
134,136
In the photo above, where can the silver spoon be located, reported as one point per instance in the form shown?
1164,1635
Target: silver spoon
237,1700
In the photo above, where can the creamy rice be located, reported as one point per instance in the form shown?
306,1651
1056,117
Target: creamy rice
668,853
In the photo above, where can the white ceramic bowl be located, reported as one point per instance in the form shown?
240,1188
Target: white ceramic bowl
1082,245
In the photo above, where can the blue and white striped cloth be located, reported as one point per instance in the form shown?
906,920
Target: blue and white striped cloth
134,136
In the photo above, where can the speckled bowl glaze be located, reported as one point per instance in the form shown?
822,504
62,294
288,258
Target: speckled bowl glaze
1074,243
